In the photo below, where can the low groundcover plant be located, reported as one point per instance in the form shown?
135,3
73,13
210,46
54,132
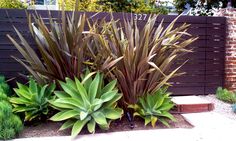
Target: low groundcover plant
226,95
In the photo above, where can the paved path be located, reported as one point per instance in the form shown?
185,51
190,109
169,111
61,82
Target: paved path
211,126
208,126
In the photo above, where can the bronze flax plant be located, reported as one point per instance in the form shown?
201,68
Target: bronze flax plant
141,58
61,46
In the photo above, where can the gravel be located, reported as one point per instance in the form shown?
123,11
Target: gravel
221,107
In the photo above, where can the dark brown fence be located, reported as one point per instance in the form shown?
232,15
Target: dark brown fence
204,70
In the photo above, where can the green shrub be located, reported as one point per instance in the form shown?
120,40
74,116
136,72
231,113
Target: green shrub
3,96
32,100
154,107
134,6
10,124
84,5
86,102
140,6
16,4
4,87
225,95
180,4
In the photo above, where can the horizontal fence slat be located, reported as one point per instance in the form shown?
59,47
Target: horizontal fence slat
187,90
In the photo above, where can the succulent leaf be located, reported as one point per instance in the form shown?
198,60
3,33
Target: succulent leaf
67,124
91,126
77,127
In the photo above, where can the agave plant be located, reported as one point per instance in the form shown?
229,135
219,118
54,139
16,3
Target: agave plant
86,102
142,58
61,47
154,107
32,100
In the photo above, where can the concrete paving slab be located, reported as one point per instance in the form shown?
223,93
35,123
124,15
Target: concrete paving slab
214,134
210,120
164,135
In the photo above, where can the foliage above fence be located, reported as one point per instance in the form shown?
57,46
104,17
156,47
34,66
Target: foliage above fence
17,4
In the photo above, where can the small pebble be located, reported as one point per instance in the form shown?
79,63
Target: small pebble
220,106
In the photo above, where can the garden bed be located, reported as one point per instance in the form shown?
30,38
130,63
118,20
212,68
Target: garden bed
93,78
51,128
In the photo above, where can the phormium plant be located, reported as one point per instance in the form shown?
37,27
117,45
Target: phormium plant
32,100
86,102
144,57
61,47
63,50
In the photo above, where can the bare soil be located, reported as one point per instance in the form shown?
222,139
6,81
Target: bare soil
49,128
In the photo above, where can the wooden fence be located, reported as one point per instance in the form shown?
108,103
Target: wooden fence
204,70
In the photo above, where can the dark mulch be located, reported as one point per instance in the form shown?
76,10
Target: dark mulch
49,128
